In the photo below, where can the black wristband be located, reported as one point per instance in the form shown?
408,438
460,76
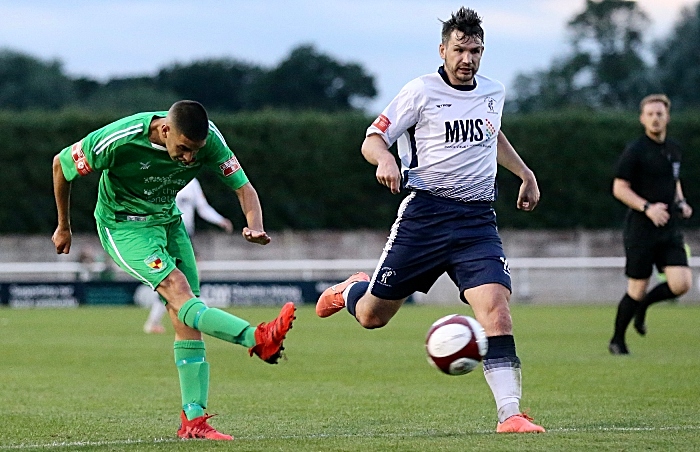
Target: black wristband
646,206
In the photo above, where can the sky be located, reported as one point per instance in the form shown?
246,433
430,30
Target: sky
394,40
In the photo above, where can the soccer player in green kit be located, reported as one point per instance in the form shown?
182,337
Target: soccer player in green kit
145,160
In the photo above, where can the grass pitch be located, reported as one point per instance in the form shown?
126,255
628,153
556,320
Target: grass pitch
89,379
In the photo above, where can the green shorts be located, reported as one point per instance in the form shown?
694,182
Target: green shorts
150,253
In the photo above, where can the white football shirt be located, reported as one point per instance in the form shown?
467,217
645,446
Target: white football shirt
446,137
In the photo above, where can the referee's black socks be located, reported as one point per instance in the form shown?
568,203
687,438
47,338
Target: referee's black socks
625,312
659,293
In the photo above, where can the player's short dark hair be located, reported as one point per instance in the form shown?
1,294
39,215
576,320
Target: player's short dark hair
190,118
655,98
466,21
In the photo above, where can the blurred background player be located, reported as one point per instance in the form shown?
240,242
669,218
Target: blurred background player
448,127
647,181
189,200
145,159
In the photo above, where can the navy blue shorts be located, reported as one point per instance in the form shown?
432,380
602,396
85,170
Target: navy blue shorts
433,235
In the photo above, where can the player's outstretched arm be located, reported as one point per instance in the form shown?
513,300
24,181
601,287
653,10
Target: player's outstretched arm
62,237
529,194
376,152
250,204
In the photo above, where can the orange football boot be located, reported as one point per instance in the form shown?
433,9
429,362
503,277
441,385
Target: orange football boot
331,300
520,423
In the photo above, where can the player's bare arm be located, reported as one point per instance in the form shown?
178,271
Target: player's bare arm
529,194
250,204
657,212
62,237
686,209
376,152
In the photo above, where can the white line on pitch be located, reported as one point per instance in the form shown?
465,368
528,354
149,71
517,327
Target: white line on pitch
59,444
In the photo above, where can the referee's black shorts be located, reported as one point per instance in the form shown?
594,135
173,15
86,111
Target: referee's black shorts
647,246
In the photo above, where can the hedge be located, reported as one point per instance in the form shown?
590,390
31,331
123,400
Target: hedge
310,174
573,155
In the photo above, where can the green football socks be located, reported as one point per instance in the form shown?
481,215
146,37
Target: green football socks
217,323
190,359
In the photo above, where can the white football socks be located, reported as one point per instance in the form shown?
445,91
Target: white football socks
505,383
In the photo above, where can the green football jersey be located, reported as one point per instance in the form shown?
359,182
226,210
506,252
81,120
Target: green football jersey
139,180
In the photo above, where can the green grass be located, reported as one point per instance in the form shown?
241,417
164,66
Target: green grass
89,379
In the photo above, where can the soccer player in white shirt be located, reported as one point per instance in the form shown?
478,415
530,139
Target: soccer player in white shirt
447,128
189,200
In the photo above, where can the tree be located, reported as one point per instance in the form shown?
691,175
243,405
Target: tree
222,84
613,30
678,60
26,82
122,95
555,88
309,80
306,80
605,68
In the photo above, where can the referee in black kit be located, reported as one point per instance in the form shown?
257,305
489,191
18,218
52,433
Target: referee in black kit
647,181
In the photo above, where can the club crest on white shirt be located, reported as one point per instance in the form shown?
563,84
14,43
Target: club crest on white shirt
490,105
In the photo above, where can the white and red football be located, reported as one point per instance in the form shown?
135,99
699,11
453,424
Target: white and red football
456,344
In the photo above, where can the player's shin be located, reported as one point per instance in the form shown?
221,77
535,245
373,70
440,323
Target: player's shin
502,372
217,323
352,295
190,359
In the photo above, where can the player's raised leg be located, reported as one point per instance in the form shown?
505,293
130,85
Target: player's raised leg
333,299
501,363
265,340
370,311
269,336
679,280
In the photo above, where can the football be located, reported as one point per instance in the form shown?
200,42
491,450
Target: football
456,344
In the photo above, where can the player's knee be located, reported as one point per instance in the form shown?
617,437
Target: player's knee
175,289
371,321
174,307
175,303
680,287
184,332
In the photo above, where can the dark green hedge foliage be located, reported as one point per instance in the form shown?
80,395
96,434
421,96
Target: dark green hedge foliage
309,172
574,155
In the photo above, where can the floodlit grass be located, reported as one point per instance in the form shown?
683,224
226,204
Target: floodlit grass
89,379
